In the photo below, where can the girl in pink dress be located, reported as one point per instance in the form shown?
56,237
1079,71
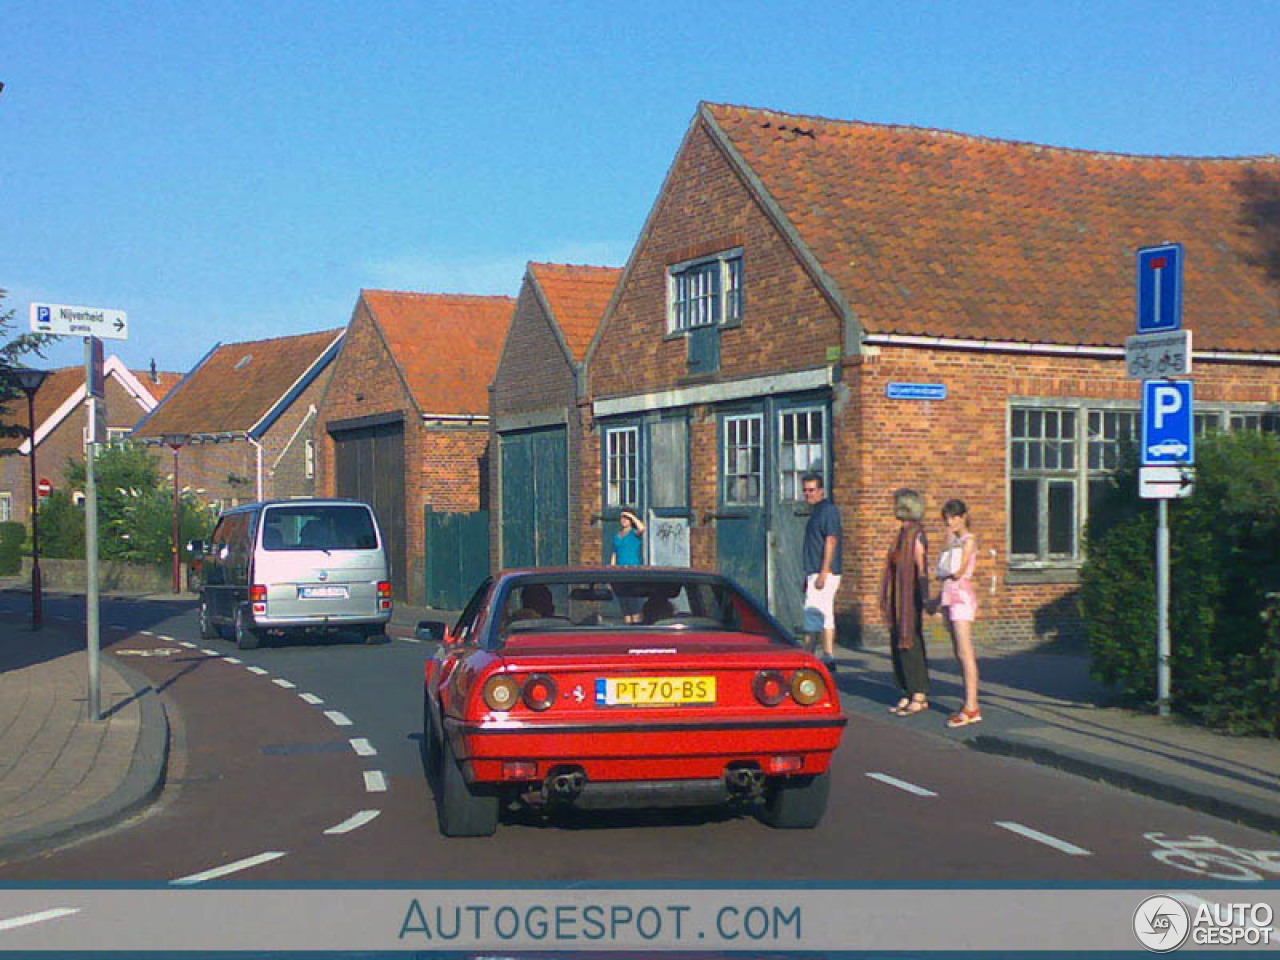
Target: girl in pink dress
956,568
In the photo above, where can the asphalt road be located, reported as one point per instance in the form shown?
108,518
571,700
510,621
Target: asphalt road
267,785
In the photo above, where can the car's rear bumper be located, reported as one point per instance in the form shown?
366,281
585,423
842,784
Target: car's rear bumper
663,750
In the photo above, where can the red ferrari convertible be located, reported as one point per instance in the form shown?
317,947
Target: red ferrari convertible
623,687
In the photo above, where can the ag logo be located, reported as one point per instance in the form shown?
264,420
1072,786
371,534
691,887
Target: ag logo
1161,924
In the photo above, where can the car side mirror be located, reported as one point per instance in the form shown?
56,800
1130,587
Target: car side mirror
196,548
434,630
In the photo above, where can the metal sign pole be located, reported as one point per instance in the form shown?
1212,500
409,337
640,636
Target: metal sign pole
1163,646
91,540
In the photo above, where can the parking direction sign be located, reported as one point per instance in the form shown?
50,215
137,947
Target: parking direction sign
65,321
1160,288
1168,436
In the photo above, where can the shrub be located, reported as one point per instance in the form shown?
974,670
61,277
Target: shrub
1224,562
12,537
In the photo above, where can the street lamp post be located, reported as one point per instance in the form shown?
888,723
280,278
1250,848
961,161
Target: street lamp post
176,441
29,381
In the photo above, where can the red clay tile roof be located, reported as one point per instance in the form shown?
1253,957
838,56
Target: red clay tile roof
236,385
446,344
167,381
942,234
578,297
53,393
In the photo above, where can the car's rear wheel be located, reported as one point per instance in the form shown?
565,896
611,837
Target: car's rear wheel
430,741
797,804
247,638
463,810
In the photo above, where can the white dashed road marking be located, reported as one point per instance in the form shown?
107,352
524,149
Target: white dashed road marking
311,698
227,868
235,660
258,670
363,747
375,781
182,643
146,633
1070,849
902,784
410,639
279,682
352,823
210,653
27,919
339,719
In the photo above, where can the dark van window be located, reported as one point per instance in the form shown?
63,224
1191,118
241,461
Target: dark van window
310,527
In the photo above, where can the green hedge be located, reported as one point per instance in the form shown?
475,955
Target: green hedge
12,537
1225,573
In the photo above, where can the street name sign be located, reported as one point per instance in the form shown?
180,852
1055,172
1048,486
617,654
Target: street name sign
1151,355
1166,483
1168,436
64,321
916,391
1160,288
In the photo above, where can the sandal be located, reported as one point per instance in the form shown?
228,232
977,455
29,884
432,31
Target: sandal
898,707
913,706
965,717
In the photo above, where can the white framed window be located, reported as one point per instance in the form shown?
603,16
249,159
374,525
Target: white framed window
309,459
705,292
1043,480
743,463
622,466
1259,421
801,443
6,507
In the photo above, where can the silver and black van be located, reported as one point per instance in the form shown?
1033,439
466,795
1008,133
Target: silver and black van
286,566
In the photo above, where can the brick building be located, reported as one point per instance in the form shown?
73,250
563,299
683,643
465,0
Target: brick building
62,426
246,413
534,409
793,268
404,425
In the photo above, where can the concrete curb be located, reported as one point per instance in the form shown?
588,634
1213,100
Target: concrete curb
1170,791
142,784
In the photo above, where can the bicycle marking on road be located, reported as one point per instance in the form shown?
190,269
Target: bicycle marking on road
260,671
1070,849
281,682
354,822
338,718
311,698
902,784
227,868
375,781
12,923
363,747
1208,857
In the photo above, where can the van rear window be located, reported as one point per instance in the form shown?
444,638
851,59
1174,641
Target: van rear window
332,527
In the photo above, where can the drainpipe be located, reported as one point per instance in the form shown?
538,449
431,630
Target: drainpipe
258,448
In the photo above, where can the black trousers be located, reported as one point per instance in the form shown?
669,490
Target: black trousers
911,667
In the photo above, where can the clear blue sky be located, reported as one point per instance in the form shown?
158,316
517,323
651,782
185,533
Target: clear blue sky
236,170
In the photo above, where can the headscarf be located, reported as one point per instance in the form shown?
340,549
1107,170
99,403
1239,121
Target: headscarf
901,598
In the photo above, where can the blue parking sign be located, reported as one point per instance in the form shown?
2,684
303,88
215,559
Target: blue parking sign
1160,288
1168,434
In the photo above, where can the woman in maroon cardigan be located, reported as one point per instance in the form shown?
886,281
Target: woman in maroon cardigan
904,589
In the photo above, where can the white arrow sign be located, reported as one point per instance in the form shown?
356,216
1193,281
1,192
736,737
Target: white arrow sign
63,321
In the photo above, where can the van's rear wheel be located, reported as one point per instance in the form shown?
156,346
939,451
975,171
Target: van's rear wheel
247,638
208,631
375,635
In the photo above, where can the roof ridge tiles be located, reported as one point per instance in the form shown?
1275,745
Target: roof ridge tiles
1263,158
436,296
288,336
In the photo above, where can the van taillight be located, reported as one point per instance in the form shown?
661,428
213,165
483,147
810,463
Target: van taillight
258,593
384,588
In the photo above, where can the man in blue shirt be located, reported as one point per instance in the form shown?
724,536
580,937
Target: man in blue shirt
823,556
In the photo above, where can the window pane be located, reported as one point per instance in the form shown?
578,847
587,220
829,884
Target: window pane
742,459
669,467
1024,516
1062,519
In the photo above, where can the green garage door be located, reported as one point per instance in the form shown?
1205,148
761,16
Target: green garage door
535,498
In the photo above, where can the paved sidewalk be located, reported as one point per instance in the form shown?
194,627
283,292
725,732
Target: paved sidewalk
1043,706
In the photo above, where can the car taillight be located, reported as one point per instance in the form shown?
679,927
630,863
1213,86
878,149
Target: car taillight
258,593
770,687
501,692
807,687
539,692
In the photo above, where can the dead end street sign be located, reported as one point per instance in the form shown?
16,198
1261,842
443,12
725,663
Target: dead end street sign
64,321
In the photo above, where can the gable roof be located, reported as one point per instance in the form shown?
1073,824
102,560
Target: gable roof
161,385
446,345
577,297
930,233
239,388
62,392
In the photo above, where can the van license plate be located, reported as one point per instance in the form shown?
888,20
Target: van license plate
323,593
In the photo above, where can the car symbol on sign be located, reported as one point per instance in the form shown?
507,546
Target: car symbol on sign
1168,448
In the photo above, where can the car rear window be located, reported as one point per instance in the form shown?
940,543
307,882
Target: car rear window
312,527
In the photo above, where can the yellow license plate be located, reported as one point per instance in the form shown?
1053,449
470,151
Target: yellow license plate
654,691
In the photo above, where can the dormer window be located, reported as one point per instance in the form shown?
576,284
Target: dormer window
705,292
